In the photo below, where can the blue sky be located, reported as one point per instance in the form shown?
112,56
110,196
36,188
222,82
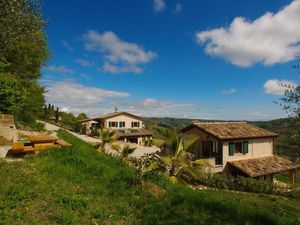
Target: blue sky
186,58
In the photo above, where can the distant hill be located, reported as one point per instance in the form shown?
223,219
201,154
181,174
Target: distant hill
279,126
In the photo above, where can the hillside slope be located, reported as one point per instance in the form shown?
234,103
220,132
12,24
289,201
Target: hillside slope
82,186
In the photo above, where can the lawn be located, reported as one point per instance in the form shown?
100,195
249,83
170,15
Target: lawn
81,186
284,177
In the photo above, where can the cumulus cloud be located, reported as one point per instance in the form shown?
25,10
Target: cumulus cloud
84,63
78,98
59,69
229,91
119,56
270,39
151,107
67,45
178,8
159,6
278,87
114,69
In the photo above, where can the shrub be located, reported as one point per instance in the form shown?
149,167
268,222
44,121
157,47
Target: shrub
238,184
37,126
116,147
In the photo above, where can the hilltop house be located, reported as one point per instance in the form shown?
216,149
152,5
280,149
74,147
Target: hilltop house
128,127
238,148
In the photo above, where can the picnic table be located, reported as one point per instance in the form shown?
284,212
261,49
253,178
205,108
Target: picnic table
37,143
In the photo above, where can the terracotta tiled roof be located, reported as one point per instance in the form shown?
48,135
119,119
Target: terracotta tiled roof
260,166
134,133
231,130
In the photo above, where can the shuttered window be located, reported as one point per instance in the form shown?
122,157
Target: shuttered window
121,124
231,148
112,124
245,147
135,124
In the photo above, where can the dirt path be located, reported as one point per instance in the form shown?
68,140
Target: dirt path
51,127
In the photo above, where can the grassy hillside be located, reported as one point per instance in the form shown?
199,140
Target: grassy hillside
82,186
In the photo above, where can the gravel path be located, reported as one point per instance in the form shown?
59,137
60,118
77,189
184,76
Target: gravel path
53,128
143,150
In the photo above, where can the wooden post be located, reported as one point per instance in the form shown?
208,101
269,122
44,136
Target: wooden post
271,177
292,177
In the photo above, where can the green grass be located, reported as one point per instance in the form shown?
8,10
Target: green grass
284,177
81,186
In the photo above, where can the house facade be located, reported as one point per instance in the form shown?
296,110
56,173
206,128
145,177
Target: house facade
237,148
128,127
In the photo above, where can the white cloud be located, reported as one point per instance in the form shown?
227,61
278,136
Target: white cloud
151,107
278,87
78,98
64,109
159,6
229,91
119,56
178,8
158,108
84,63
270,39
67,45
114,69
59,69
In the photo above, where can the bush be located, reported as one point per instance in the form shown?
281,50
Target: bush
238,184
37,126
27,119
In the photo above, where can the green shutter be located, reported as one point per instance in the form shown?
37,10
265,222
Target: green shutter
231,148
245,147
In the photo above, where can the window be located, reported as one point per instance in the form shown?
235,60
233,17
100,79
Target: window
207,147
122,124
135,124
112,124
245,147
238,147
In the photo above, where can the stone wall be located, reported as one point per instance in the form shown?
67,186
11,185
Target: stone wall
7,126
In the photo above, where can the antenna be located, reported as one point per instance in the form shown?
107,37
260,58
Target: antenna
116,109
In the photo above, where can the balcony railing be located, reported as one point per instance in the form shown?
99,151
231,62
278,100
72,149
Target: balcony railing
213,160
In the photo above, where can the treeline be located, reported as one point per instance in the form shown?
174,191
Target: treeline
23,50
288,142
49,113
66,120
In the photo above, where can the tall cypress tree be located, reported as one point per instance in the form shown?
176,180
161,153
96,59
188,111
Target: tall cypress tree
56,115
45,112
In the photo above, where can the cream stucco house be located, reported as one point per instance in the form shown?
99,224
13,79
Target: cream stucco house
237,148
128,127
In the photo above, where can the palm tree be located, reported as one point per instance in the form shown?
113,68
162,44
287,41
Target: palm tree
180,163
107,137
127,150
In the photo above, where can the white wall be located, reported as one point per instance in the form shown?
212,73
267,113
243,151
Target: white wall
123,118
257,148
